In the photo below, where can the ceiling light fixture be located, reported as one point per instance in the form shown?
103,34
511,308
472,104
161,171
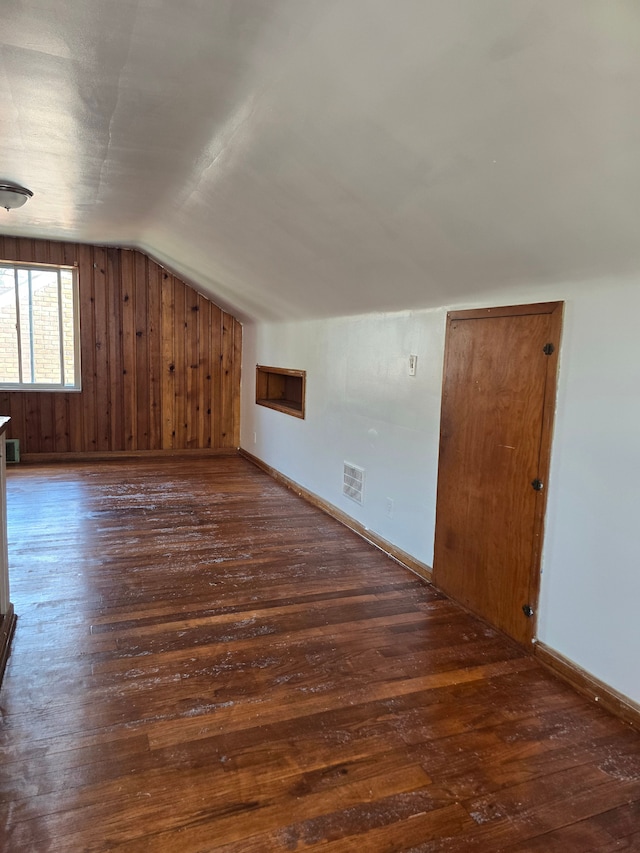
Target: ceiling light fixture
12,196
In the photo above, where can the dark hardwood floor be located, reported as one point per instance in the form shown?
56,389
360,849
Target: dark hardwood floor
204,662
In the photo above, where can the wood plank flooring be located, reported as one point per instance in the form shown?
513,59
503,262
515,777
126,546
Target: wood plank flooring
204,662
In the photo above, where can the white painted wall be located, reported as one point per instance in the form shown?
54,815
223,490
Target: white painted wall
363,407
591,559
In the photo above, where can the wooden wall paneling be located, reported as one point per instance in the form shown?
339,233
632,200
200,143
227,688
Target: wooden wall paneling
24,249
192,342
7,248
128,340
160,363
32,421
55,253
61,423
69,253
156,367
22,400
236,377
168,364
28,249
187,372
204,372
35,249
198,370
47,427
30,436
40,251
115,300
212,372
141,344
190,329
226,402
14,248
12,405
177,342
179,384
102,378
18,413
88,349
216,376
82,406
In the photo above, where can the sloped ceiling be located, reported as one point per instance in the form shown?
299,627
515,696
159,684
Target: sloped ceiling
300,158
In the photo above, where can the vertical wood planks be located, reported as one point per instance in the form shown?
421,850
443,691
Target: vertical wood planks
216,373
128,299
205,402
61,414
179,371
115,300
168,363
84,405
101,308
140,355
160,363
226,376
154,333
236,376
192,366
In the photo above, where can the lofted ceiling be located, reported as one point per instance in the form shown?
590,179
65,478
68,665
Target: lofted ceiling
304,158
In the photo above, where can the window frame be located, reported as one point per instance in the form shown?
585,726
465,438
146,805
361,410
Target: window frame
77,373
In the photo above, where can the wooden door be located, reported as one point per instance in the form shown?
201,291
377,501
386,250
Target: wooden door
498,399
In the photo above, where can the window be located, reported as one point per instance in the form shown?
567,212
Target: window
39,328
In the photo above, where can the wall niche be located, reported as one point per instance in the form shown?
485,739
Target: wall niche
281,389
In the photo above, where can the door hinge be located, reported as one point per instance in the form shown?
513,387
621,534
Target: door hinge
527,609
538,485
548,349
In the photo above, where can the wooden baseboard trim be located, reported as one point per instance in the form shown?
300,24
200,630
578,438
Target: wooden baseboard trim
7,627
589,685
112,455
421,569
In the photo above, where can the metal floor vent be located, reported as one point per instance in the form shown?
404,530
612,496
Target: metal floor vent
13,450
353,482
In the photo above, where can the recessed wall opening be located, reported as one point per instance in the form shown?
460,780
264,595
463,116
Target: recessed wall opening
281,389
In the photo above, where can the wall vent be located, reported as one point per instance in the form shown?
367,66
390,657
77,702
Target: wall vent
13,450
353,482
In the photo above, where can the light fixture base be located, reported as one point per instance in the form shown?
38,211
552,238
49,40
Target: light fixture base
12,195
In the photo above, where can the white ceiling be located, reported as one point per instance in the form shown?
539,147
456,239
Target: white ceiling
299,158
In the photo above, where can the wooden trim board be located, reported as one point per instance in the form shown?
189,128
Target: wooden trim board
7,628
590,686
421,569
